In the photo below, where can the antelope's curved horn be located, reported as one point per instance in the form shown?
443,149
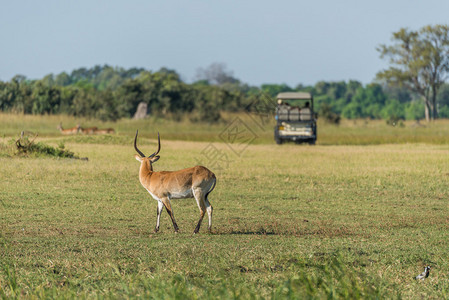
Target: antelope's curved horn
158,146
135,145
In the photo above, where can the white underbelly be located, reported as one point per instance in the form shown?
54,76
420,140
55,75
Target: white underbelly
175,195
181,194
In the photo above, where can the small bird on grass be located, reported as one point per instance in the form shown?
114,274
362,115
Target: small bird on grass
424,274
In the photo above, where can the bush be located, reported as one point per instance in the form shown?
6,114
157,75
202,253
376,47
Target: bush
395,121
328,115
25,146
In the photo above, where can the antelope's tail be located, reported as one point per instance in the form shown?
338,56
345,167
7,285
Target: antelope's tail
212,188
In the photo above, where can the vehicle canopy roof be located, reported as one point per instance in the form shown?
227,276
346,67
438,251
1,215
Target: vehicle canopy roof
294,96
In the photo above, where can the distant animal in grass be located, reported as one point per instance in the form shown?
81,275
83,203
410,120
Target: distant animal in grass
88,130
96,130
424,274
105,131
73,130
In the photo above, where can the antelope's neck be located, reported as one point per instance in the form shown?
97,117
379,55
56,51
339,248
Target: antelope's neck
145,170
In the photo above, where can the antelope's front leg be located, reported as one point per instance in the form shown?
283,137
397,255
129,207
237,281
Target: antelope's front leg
160,208
167,205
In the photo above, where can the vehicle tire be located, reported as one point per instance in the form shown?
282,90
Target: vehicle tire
312,142
277,139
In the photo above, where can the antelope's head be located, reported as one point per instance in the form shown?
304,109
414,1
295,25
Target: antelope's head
148,161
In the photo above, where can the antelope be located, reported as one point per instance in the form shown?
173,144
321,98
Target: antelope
73,130
104,131
89,130
196,182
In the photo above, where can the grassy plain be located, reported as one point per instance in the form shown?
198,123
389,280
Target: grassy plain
350,132
358,220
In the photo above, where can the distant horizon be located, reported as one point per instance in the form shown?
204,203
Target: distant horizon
182,77
290,42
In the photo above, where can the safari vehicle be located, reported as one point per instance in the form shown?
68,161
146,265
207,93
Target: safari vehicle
295,118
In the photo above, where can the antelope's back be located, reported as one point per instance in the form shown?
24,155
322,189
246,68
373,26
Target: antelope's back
197,173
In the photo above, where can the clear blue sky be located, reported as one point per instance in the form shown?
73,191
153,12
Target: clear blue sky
260,41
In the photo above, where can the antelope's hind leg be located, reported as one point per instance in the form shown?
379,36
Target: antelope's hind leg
209,209
160,208
200,200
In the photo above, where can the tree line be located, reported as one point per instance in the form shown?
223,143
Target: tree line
412,88
110,93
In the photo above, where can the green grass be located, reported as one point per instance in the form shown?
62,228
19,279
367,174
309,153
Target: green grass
325,221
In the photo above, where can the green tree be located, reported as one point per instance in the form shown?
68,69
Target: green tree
46,99
105,106
419,61
414,110
208,103
352,111
274,89
367,102
352,88
129,95
393,110
62,79
16,95
443,101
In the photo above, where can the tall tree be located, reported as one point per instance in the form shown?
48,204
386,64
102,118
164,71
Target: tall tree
216,74
419,61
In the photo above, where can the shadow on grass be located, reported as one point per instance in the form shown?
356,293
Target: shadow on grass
245,232
296,232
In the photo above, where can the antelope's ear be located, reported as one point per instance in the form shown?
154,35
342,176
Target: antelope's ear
155,159
138,158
